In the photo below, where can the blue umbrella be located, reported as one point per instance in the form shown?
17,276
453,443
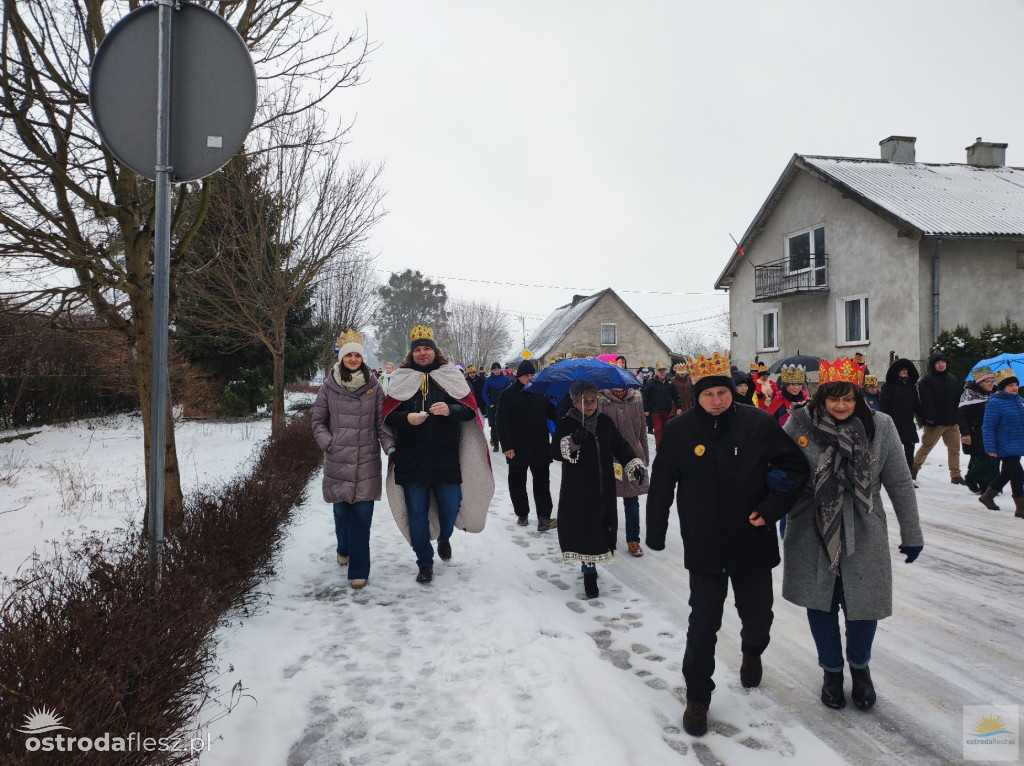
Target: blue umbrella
1014,361
554,380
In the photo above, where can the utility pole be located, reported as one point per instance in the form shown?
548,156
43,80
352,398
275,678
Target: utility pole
523,320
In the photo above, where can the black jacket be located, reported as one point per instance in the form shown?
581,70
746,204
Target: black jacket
940,395
970,416
715,468
899,399
661,396
428,453
523,425
477,384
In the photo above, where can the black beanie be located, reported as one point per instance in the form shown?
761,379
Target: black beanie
1001,385
496,366
423,342
526,367
711,381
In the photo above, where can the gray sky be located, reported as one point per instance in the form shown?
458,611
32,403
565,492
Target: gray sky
586,144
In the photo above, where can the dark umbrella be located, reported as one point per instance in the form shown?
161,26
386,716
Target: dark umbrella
808,362
555,380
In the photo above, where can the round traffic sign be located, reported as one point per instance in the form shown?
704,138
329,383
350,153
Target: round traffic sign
213,91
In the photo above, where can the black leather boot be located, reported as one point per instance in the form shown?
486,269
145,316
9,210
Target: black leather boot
590,584
832,690
863,692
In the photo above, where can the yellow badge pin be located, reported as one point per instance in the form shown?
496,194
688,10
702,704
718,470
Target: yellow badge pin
699,450
801,441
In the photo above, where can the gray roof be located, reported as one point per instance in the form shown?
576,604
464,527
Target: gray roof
937,200
557,326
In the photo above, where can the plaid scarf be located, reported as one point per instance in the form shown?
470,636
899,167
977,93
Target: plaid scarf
845,466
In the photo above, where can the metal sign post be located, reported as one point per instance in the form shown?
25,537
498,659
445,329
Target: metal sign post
205,87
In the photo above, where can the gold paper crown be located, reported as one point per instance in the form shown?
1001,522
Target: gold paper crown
981,372
471,368
870,380
349,336
703,367
753,367
859,358
842,370
1003,374
793,373
421,332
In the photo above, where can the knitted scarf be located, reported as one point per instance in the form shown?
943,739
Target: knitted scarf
845,466
355,382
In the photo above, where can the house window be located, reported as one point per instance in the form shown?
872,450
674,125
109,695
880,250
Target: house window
802,248
852,326
768,330
608,336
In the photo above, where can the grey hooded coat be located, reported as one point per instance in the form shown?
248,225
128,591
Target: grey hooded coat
866,559
349,429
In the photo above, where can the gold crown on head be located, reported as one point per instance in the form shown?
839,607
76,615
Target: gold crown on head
703,367
1003,374
859,358
793,373
870,380
842,370
981,373
349,336
753,367
421,332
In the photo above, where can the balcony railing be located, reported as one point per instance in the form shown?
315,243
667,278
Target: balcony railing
790,276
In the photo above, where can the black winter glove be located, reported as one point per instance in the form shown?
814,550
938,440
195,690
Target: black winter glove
639,474
911,552
580,435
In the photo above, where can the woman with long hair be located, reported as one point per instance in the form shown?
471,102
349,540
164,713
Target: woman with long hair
348,426
836,544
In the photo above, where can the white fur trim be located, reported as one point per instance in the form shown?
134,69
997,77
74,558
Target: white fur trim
567,448
632,465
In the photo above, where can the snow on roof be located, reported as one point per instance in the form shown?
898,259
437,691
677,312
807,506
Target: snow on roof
949,200
557,326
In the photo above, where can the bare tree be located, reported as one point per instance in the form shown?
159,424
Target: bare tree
475,332
347,297
294,218
76,225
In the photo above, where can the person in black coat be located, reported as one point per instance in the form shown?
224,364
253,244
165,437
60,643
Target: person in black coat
714,462
983,469
524,438
743,388
588,444
661,400
899,400
940,400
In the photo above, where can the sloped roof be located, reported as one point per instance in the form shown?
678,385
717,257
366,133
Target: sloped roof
557,326
921,199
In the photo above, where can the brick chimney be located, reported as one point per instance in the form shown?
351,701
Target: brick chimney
985,154
898,149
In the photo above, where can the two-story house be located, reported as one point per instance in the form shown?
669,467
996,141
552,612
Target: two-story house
878,255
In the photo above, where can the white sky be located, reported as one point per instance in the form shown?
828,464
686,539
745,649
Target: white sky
585,144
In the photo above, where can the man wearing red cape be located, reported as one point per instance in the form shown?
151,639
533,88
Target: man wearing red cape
439,476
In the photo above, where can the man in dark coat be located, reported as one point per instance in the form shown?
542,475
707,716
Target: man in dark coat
661,400
524,437
899,400
476,380
714,462
940,400
495,383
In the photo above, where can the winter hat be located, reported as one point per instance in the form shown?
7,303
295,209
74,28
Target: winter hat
710,372
1005,377
421,335
661,366
496,366
348,342
526,367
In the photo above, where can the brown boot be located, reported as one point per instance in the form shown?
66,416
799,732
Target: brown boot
988,500
1018,500
695,718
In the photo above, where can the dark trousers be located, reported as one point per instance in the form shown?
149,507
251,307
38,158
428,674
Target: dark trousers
541,489
1010,471
753,595
982,470
860,634
908,450
492,422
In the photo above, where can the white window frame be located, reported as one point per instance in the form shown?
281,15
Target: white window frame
865,313
615,333
759,330
812,260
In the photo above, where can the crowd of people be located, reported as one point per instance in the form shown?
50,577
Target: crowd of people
736,452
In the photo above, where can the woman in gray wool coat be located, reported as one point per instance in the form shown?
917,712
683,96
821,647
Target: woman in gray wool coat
348,426
836,544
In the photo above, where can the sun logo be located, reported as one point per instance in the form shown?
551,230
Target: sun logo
988,725
42,720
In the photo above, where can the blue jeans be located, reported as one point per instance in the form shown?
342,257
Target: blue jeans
860,634
352,528
631,505
417,504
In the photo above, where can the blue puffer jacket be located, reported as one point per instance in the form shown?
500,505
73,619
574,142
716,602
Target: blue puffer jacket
1003,427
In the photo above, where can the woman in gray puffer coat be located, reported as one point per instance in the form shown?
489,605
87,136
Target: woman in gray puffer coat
837,542
348,426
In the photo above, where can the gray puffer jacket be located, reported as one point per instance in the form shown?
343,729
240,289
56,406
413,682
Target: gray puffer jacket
349,429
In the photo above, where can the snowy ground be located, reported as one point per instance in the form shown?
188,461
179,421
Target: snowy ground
501,660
